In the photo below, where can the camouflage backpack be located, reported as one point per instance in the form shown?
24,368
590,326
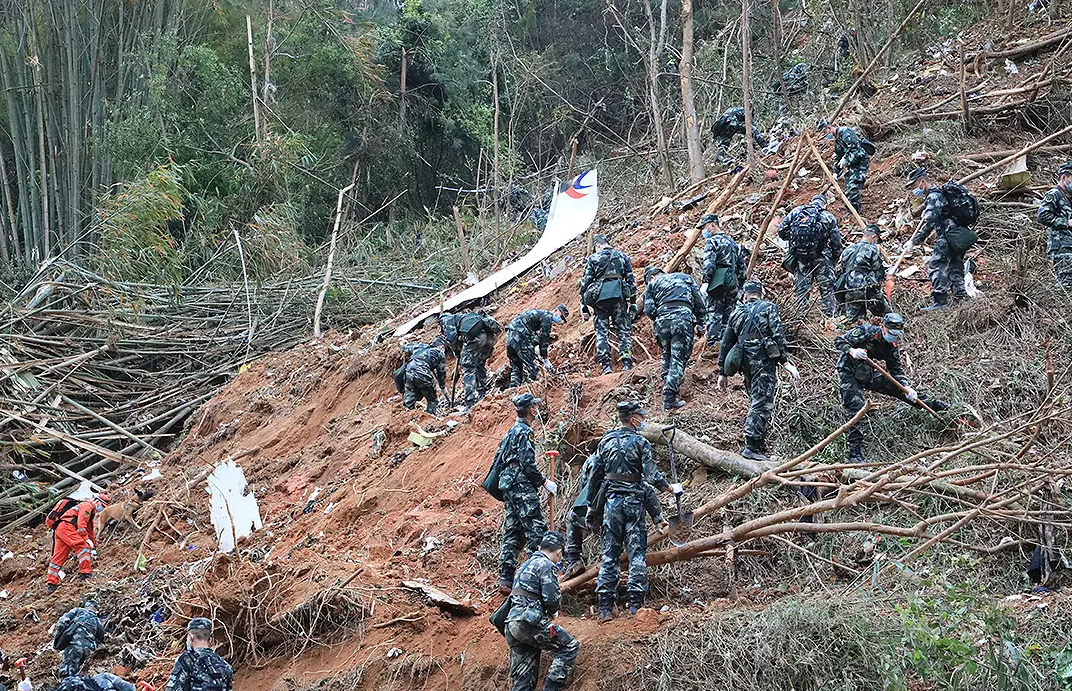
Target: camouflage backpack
806,232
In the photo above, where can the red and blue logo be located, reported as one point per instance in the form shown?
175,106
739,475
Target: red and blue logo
577,189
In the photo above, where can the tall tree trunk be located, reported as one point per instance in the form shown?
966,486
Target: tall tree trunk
746,87
496,180
688,100
35,68
654,51
253,81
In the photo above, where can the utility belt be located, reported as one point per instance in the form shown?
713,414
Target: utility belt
623,477
521,592
676,303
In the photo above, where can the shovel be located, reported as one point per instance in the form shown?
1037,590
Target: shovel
680,524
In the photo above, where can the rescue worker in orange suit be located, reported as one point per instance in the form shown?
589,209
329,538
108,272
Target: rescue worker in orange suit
73,532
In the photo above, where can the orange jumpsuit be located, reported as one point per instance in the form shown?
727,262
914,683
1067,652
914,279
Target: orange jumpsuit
72,531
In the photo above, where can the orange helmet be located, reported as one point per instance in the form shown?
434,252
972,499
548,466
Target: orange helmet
102,500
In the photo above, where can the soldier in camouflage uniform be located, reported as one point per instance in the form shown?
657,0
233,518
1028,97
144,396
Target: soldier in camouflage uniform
855,374
426,368
724,267
861,272
78,633
523,333
624,466
200,668
1055,213
795,80
947,263
814,240
534,602
475,334
852,156
609,289
757,329
520,481
105,681
726,127
675,304
577,525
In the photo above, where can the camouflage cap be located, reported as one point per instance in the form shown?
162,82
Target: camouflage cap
552,539
200,624
707,218
873,229
916,175
821,124
1065,169
894,324
523,401
563,310
821,198
752,288
651,272
91,604
600,239
631,408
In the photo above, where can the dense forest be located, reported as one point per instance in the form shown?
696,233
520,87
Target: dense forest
147,137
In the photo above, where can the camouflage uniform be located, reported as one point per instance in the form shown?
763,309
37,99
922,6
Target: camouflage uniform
814,239
728,125
861,273
674,303
522,333
519,481
947,266
756,325
851,156
577,524
856,376
724,268
795,80
603,269
534,600
427,367
1054,212
200,669
78,633
624,467
477,333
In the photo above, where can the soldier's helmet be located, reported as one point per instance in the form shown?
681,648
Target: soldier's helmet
707,218
752,288
564,311
894,324
651,272
552,539
600,239
522,402
199,624
630,408
915,176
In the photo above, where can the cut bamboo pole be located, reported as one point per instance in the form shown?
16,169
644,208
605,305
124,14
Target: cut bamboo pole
774,206
834,182
331,262
253,81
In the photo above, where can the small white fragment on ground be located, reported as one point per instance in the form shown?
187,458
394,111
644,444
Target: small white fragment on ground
329,507
431,544
1011,67
152,475
4,595
235,514
7,555
393,653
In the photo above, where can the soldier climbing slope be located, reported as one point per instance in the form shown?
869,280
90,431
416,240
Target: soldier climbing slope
860,275
625,466
724,267
73,532
534,602
78,633
426,369
814,240
523,333
609,289
475,334
754,345
852,157
856,374
200,668
519,484
726,127
949,212
675,305
1055,213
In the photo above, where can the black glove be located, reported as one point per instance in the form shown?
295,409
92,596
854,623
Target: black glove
586,313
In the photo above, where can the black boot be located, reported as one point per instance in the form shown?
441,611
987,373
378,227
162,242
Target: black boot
937,405
607,369
855,453
671,401
627,365
574,567
753,449
606,608
941,301
551,685
636,601
51,588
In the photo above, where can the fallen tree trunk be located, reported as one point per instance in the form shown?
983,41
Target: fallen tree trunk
1012,157
688,445
1020,51
984,156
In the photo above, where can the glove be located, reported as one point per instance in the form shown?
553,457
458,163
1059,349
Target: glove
551,487
720,383
586,313
858,353
676,488
25,685
89,543
909,246
93,554
911,395
700,328
547,365
792,370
